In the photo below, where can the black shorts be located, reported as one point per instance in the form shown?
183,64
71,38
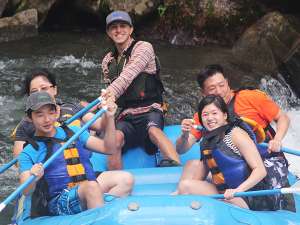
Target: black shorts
135,129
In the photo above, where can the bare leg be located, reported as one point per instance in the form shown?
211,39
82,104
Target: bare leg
115,161
196,187
117,183
90,194
158,137
238,202
192,170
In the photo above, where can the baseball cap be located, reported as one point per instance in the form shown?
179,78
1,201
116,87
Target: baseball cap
38,99
118,16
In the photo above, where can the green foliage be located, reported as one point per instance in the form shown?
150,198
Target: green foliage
161,10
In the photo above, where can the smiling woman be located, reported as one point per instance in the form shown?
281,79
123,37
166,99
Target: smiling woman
229,152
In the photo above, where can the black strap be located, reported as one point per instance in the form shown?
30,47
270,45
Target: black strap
79,178
67,130
128,51
232,115
32,142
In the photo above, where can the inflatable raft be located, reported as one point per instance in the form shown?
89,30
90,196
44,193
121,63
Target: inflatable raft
151,202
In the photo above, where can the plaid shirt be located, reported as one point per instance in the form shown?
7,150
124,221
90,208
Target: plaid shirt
142,59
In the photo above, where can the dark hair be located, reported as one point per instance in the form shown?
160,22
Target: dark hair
212,99
207,72
36,73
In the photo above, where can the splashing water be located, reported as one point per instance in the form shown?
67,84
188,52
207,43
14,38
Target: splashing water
72,61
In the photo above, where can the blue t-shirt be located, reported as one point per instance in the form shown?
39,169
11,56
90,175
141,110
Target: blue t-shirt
30,156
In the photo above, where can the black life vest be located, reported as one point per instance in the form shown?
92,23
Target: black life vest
144,90
220,158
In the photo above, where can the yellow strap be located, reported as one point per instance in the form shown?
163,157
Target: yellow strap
74,170
211,163
218,178
71,153
257,128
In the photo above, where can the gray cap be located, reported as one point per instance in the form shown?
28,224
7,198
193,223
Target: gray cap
118,16
38,99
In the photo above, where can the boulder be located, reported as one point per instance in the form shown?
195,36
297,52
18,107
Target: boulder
42,7
137,8
2,6
205,21
267,43
90,6
290,68
22,25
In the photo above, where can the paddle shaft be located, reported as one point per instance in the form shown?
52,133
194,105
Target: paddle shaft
21,188
259,193
83,111
67,122
284,149
8,165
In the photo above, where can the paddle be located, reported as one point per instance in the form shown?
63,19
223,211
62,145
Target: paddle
83,111
8,165
283,149
13,195
259,193
68,121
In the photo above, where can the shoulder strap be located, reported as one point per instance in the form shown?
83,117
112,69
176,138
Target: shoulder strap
128,51
32,142
232,115
67,130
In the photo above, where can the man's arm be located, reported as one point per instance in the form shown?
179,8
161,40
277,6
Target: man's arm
282,124
37,170
97,125
108,144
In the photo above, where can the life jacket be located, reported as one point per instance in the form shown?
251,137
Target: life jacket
67,170
227,167
262,134
144,90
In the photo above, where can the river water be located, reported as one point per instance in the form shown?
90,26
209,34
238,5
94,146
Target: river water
75,59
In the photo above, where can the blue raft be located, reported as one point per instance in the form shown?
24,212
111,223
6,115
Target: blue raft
151,202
